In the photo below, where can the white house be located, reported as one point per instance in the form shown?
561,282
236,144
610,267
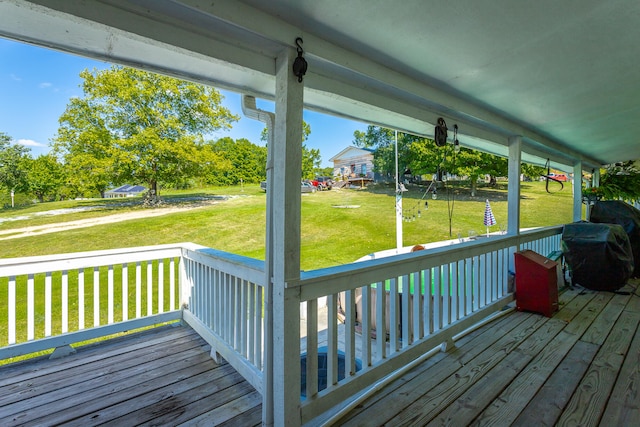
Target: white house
353,162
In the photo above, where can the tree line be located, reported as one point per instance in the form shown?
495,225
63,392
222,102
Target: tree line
418,156
136,127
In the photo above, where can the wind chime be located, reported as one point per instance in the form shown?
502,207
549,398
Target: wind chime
416,211
440,139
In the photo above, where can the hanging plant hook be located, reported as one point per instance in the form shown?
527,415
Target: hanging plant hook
441,133
548,178
299,64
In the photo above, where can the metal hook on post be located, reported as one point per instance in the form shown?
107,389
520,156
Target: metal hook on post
299,64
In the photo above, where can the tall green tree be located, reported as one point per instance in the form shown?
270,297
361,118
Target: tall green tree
414,153
422,156
85,143
46,177
141,127
14,164
532,171
247,162
310,156
476,164
310,162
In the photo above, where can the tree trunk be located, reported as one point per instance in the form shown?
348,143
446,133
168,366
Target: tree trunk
152,198
154,188
474,186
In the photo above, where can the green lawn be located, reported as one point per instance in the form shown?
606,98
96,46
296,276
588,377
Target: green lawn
330,235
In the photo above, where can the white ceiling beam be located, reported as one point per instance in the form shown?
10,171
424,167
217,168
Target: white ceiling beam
338,81
272,28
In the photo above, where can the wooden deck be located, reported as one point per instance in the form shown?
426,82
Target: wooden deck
581,367
163,376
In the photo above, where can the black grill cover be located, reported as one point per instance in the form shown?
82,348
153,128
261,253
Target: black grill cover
599,255
617,212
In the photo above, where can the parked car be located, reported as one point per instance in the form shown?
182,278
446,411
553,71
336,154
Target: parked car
324,183
305,187
557,176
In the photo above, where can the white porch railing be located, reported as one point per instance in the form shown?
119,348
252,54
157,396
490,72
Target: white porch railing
429,297
226,307
54,301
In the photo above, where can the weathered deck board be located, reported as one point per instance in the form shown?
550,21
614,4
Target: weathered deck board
162,376
424,386
580,367
624,407
518,391
139,342
546,406
58,385
590,398
457,382
509,374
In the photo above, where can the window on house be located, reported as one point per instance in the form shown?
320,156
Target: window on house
363,169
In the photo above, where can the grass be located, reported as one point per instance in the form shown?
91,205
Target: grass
330,235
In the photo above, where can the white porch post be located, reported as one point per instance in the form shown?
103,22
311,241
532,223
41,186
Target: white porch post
398,202
513,190
513,193
577,191
287,173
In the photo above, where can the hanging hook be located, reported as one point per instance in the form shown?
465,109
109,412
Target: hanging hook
456,143
440,136
299,64
548,177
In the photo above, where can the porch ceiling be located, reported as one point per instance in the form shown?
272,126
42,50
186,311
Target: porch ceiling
561,74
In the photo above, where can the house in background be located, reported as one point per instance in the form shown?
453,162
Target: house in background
353,162
126,190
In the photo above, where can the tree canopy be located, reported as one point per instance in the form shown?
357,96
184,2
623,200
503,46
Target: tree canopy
247,162
310,156
14,165
46,176
422,156
136,126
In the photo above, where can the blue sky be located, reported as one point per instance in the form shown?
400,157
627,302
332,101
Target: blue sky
37,83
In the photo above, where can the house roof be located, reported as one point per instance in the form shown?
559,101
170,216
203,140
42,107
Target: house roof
128,189
560,74
351,151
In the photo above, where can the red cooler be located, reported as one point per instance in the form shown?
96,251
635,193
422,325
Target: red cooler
536,283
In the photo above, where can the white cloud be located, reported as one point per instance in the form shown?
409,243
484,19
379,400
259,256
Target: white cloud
16,78
29,143
45,85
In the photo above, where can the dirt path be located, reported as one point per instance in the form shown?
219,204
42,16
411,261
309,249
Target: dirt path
35,230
